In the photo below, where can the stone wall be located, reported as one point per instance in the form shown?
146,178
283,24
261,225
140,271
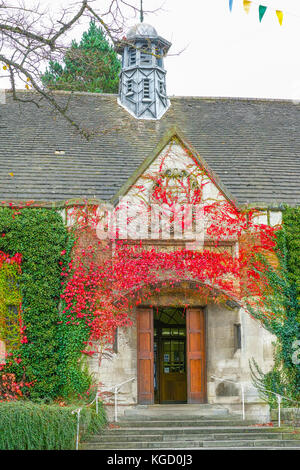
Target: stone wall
224,361
121,366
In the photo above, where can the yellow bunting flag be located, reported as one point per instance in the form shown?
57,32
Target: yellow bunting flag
279,14
247,5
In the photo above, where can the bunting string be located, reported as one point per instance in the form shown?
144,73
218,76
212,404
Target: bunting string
261,10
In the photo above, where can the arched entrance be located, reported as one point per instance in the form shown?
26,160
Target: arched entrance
171,355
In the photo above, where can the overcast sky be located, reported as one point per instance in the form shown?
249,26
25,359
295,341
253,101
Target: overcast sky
231,54
227,54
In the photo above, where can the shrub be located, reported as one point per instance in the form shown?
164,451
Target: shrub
31,426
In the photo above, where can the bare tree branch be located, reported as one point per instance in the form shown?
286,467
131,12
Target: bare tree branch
31,37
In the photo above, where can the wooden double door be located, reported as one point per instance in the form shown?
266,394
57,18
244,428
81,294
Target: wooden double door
171,368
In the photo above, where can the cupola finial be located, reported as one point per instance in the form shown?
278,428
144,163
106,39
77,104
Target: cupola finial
142,12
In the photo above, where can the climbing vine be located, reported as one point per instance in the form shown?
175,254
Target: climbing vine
107,278
75,287
291,224
39,236
10,300
282,302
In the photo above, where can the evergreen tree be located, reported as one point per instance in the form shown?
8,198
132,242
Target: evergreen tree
92,66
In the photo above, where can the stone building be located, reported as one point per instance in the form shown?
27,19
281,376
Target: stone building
250,151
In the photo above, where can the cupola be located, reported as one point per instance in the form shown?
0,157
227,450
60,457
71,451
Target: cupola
142,89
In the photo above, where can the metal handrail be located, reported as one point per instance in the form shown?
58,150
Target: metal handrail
116,388
278,396
78,411
96,399
279,400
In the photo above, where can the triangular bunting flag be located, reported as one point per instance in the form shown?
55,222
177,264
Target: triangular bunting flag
247,5
279,16
262,11
230,4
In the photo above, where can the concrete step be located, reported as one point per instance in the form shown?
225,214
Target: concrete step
175,416
158,423
254,443
176,407
181,437
185,431
189,427
171,445
173,413
240,448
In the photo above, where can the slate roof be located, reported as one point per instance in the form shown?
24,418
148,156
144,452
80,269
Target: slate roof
252,145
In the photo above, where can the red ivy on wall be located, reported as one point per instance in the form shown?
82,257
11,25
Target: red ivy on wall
107,278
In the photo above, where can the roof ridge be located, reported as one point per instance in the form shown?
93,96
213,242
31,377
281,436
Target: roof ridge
171,97
234,98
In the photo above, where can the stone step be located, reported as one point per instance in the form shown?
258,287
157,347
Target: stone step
186,431
254,443
180,437
184,427
231,421
239,448
171,445
175,416
172,413
177,407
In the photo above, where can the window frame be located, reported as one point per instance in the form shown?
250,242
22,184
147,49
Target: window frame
130,87
146,90
159,57
162,88
132,56
237,337
146,57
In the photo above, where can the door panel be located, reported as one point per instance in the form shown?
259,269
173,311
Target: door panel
195,324
145,356
173,371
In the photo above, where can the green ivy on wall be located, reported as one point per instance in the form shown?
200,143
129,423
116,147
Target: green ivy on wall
74,377
291,223
10,299
52,357
284,378
40,236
